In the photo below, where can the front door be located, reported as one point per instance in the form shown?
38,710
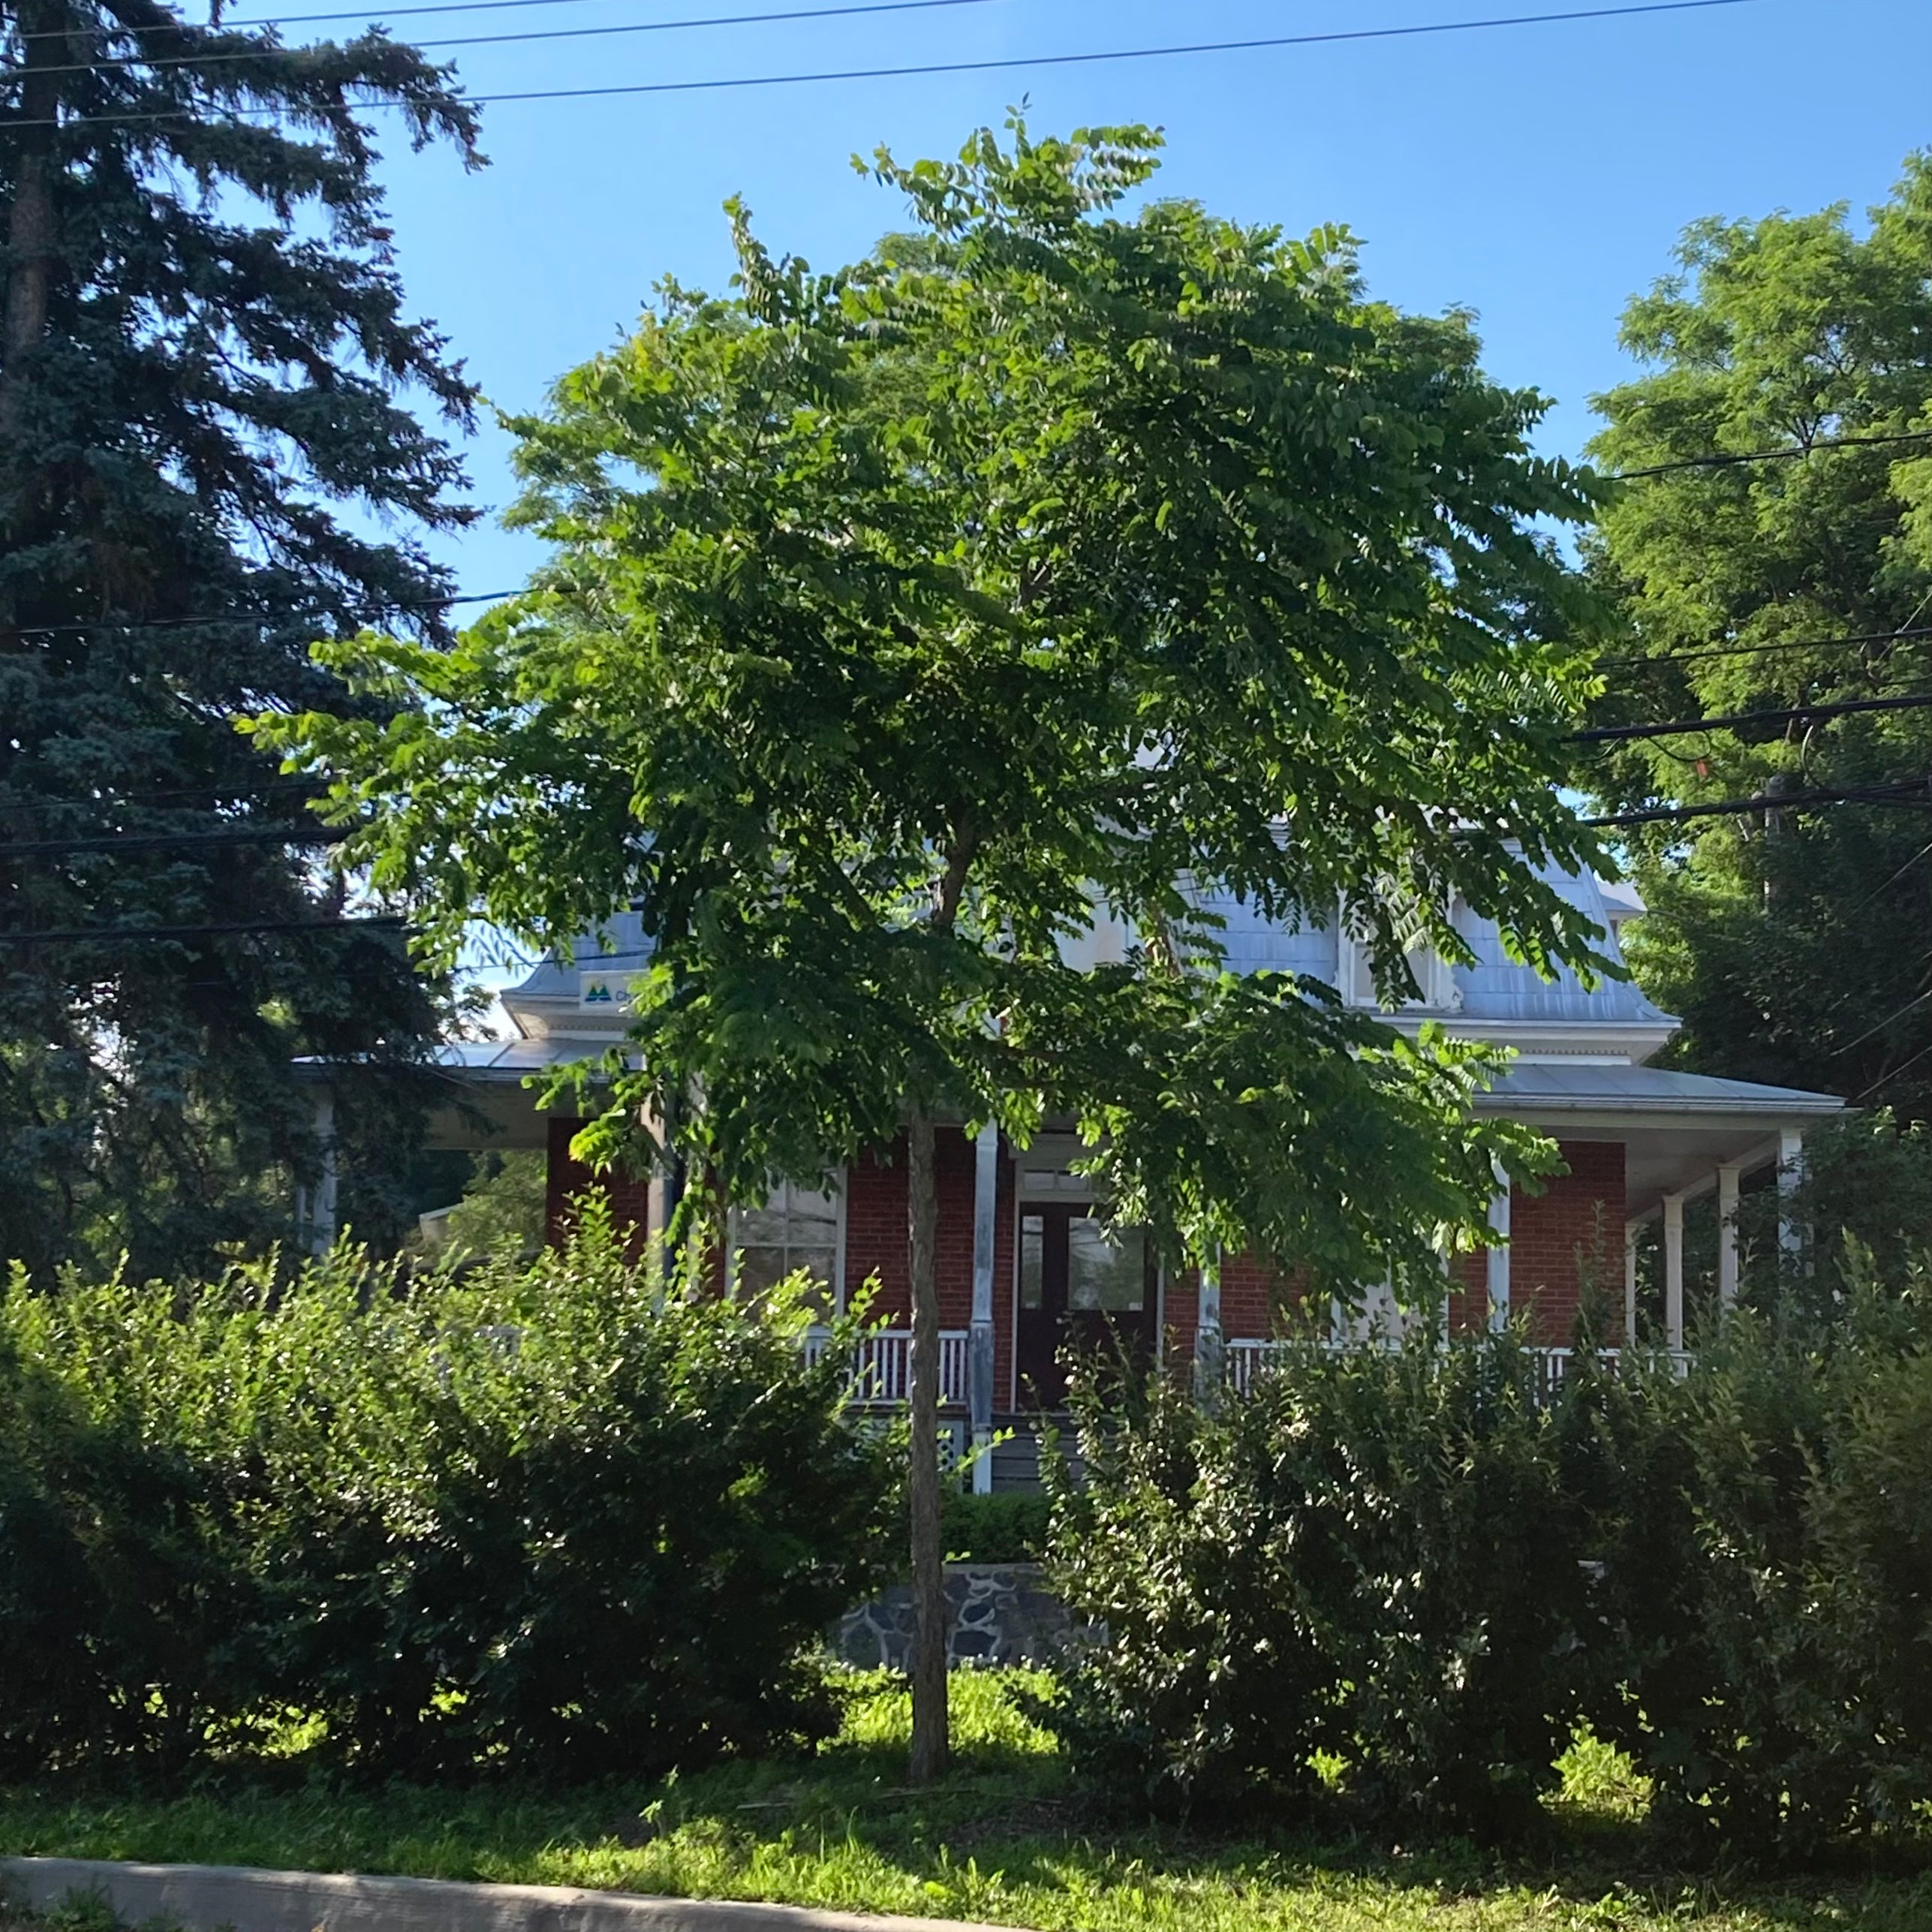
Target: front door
1086,1285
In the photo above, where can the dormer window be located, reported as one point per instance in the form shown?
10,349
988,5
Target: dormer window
1437,991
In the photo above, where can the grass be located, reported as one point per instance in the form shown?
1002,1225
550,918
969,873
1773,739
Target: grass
1005,1838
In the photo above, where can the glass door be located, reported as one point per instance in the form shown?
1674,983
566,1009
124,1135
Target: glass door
1086,1286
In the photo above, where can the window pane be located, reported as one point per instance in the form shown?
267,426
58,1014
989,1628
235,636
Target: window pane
813,1216
1107,1267
1033,1248
759,1227
818,1262
760,1269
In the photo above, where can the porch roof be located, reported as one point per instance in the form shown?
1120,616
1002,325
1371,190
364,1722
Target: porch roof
1676,1129
1588,1086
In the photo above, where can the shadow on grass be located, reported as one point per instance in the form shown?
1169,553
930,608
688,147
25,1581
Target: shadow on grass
1008,1834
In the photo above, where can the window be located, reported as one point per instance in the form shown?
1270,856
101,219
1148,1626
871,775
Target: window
797,1228
1355,971
1107,1267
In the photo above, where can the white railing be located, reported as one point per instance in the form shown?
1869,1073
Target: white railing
882,1364
1247,1357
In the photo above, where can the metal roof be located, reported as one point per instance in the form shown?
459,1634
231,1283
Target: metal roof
1587,1085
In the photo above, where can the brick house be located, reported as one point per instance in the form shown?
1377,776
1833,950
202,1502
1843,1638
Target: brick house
1024,1256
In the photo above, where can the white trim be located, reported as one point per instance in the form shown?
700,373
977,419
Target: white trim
1673,1247
1727,1235
1496,1258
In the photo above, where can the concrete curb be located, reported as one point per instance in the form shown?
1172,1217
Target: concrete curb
207,1898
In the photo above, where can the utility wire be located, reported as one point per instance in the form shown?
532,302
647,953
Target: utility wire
1903,792
261,617
1885,1079
1910,1006
152,842
1872,897
1608,734
1005,64
1757,650
1784,453
221,57
87,933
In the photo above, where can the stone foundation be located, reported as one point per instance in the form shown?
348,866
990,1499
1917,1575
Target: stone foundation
999,1613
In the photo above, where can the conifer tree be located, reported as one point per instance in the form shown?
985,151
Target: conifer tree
207,374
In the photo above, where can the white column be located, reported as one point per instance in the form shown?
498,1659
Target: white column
1496,1258
1210,1362
1790,1174
316,1208
1630,1283
1727,1238
1673,1234
980,1359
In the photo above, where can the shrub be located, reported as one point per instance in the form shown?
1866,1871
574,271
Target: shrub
1005,1528
1377,1556
1771,1577
546,1517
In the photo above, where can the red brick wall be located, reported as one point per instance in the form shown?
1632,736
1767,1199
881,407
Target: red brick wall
1548,1231
1469,1289
566,1177
875,1234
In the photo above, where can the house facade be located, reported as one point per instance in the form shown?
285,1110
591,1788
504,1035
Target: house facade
1027,1258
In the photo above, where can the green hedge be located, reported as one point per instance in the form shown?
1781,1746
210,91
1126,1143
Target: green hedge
1403,1571
1010,1527
543,1518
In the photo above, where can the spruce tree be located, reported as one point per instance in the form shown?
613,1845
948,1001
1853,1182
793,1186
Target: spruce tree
207,383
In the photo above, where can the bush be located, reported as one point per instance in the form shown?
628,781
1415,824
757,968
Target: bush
1399,1565
1771,1577
542,1518
1005,1528
1375,1557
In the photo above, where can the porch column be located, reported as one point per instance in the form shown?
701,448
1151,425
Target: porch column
1727,1238
1496,1259
1790,1174
1673,1236
1630,1283
979,1359
1209,1363
315,1206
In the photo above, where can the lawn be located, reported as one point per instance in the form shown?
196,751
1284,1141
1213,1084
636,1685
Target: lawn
1007,1838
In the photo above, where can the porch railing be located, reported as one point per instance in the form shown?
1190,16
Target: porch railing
882,1364
1248,1358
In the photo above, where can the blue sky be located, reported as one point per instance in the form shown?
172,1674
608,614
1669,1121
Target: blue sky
1537,174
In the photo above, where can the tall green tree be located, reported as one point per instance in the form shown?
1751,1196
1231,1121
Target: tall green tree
1054,557
208,458
1798,946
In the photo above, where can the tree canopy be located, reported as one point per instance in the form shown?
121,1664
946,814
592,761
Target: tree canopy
209,457
1052,564
1052,557
1794,944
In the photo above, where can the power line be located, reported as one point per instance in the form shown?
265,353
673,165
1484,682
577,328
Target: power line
1757,650
260,618
141,841
1872,897
1910,1006
1782,454
1617,733
1004,64
1885,1079
87,933
1901,791
255,52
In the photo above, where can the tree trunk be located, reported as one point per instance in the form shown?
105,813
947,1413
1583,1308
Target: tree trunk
930,1740
31,236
